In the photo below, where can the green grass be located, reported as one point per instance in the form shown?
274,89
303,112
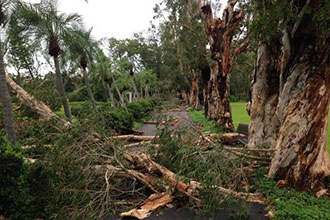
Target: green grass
290,204
239,116
208,126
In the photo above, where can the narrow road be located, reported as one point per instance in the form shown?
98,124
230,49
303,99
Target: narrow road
185,124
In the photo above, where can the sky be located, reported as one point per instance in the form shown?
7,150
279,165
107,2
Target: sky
111,18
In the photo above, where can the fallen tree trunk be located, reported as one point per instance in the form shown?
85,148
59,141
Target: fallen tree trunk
231,137
142,160
37,106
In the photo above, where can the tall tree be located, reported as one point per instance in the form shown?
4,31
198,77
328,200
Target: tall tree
82,48
46,24
291,90
220,34
6,9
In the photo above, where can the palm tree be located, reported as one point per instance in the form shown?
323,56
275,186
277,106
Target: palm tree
103,70
82,48
6,8
48,25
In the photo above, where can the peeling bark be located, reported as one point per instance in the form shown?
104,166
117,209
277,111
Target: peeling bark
194,92
264,124
290,103
220,34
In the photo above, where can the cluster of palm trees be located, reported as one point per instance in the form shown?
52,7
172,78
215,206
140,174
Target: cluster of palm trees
65,37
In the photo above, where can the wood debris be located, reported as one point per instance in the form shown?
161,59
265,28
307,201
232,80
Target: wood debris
152,203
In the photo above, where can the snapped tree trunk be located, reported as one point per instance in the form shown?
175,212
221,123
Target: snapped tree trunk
60,88
220,33
112,99
205,69
88,87
295,102
194,92
7,108
185,97
37,106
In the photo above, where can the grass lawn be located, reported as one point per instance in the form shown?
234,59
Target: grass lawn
239,116
198,117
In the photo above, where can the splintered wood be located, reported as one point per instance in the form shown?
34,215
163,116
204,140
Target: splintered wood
152,203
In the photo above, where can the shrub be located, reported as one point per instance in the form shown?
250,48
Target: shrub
290,204
79,95
15,197
118,119
141,109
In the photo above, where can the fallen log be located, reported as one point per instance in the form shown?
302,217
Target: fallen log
37,106
152,203
267,159
142,160
263,150
231,137
137,144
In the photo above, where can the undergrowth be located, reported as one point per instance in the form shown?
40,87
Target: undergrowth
208,125
210,168
290,204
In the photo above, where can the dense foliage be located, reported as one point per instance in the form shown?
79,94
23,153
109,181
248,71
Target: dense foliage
15,195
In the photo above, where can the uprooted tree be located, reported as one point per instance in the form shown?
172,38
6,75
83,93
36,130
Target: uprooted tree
220,34
291,91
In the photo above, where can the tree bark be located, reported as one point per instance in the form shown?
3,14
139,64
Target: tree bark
136,91
290,102
7,108
194,92
146,90
264,124
60,88
88,87
37,106
220,33
112,99
122,102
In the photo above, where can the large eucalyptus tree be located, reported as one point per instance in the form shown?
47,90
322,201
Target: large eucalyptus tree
291,90
6,9
46,24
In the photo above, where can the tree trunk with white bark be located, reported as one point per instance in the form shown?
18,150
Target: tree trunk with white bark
88,87
290,103
112,99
